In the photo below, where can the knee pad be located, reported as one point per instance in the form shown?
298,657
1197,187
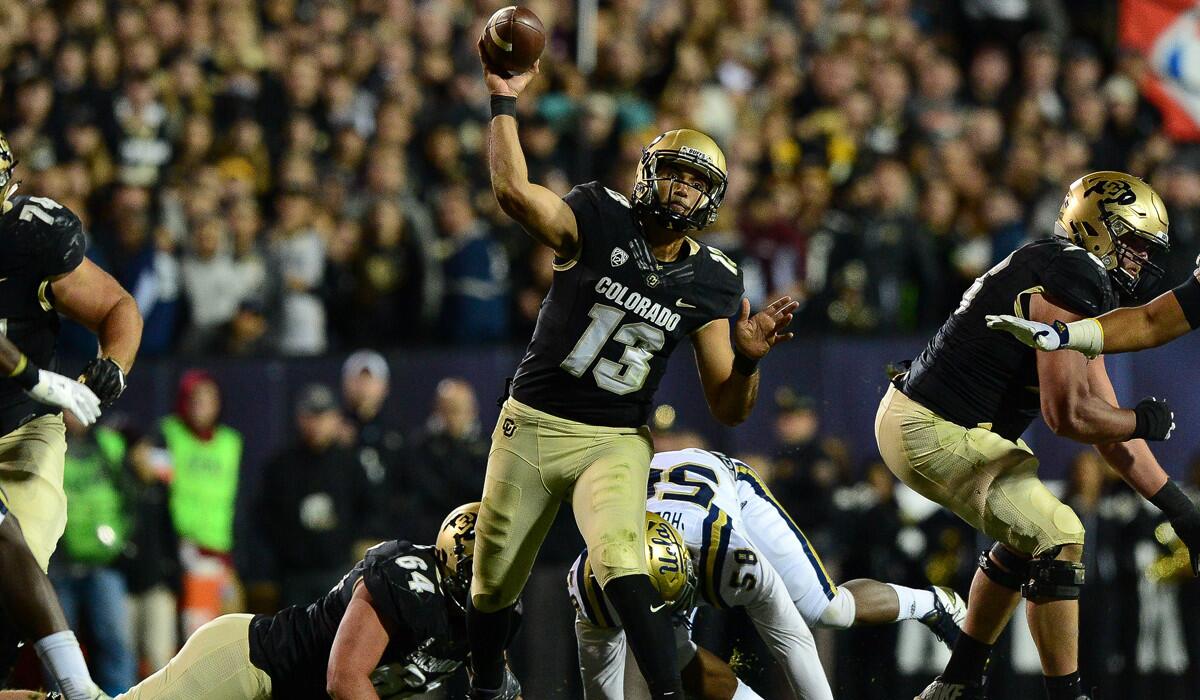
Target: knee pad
1017,574
1053,579
618,557
840,612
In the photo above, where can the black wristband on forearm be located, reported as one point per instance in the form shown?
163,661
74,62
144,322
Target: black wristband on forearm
25,374
504,104
1172,501
1188,296
744,365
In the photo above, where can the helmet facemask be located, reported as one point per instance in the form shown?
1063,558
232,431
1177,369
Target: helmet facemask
457,585
654,194
1136,273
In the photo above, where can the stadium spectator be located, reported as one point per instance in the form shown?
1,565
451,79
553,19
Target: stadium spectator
804,473
205,464
377,443
299,260
449,454
315,501
211,285
86,573
476,305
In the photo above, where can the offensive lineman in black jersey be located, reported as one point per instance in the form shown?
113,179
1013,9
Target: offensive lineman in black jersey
629,286
393,627
43,273
951,427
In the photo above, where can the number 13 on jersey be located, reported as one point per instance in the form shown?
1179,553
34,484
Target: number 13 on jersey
641,341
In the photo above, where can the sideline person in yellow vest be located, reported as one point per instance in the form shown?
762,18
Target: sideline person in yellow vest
205,459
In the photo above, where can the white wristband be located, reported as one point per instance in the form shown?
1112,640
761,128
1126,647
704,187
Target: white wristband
1086,336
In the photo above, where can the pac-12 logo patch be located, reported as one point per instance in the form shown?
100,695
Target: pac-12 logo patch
618,257
509,427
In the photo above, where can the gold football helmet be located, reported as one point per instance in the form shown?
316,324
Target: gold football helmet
671,569
1122,221
8,163
683,148
455,550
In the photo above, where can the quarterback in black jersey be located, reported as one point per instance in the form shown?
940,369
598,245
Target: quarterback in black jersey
43,273
393,627
951,426
629,285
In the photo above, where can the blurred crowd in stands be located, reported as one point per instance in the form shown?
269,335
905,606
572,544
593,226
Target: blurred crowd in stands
299,176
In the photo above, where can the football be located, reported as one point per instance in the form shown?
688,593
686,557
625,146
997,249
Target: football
513,39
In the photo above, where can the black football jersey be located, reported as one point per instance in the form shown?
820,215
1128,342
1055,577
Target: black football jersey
614,314
975,376
293,645
40,239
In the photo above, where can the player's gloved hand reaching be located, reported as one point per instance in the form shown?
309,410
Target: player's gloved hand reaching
57,390
1032,333
754,336
105,377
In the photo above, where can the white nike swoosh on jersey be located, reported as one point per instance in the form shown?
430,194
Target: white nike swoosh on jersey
683,304
656,608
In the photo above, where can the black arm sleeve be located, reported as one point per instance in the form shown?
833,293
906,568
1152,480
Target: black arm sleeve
1188,296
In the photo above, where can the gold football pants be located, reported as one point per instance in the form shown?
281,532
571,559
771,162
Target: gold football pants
537,460
31,476
214,664
987,480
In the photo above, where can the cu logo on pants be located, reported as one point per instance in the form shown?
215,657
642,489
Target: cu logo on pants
509,427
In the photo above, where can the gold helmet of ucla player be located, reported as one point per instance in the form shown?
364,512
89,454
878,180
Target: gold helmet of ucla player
681,180
671,569
1122,221
455,550
8,164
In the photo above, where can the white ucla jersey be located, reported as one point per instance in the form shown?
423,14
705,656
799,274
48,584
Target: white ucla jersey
722,509
729,520
692,483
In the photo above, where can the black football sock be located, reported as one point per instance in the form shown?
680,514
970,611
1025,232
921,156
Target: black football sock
967,661
1068,687
647,623
488,633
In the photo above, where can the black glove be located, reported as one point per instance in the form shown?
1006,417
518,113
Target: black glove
1155,420
105,378
1184,517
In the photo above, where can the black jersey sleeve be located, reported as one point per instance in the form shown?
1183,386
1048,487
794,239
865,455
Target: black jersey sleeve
51,233
404,588
722,282
600,215
1078,282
